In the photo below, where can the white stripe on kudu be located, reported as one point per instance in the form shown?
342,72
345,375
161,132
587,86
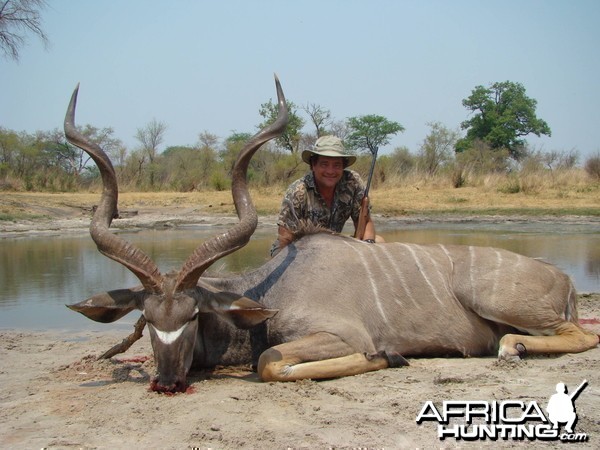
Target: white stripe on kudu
424,273
400,279
371,279
168,337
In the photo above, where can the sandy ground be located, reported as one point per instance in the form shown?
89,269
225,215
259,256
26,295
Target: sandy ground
55,394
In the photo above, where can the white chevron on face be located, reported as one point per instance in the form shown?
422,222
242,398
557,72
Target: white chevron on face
168,337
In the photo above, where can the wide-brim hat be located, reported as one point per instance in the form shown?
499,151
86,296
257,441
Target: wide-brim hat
330,146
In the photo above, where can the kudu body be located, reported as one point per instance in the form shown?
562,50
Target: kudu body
329,306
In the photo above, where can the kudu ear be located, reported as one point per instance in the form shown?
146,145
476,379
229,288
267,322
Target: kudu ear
234,308
109,306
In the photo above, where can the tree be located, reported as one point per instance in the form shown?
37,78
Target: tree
150,137
17,17
371,132
206,157
340,129
9,145
21,157
319,117
401,162
188,168
232,147
291,138
436,149
207,140
503,116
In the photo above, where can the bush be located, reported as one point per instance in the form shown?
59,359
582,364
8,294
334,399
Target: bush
481,159
459,176
592,166
220,182
512,186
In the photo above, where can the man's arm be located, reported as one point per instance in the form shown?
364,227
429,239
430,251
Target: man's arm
364,228
369,233
369,230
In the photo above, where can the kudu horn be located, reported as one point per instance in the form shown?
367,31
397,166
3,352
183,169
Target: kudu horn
239,235
108,243
209,251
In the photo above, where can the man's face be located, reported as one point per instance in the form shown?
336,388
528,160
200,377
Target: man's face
328,171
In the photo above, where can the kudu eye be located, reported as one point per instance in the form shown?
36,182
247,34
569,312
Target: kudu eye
195,315
146,317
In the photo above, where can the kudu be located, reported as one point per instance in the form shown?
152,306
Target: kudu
326,305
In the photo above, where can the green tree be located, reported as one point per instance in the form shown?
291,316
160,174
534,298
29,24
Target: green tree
187,168
503,115
231,149
290,139
71,159
9,150
371,132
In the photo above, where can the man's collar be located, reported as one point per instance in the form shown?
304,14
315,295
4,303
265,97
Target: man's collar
309,179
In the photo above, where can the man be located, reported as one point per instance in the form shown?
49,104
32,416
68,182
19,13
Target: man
561,408
327,196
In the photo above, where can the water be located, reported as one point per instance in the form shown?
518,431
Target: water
39,275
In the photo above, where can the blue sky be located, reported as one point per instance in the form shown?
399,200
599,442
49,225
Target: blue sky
208,65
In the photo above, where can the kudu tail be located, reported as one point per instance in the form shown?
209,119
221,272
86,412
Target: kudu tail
571,312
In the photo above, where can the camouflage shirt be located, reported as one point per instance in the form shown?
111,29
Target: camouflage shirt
303,201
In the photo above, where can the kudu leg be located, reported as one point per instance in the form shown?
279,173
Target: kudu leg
569,338
318,356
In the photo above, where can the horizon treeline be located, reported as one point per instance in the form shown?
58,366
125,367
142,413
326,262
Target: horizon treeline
501,116
44,161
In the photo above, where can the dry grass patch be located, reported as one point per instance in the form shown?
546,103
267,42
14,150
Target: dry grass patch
487,196
414,200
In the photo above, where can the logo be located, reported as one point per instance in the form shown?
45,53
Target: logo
507,420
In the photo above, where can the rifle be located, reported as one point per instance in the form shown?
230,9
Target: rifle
364,204
578,390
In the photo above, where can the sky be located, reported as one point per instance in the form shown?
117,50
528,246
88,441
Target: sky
208,65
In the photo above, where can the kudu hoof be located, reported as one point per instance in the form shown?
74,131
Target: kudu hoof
395,359
515,353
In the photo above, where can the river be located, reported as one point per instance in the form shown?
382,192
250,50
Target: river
39,275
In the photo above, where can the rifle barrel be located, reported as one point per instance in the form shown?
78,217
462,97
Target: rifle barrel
371,171
579,389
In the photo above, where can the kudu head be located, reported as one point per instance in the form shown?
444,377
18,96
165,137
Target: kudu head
171,302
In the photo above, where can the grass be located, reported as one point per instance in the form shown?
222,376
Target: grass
568,192
486,198
7,217
530,212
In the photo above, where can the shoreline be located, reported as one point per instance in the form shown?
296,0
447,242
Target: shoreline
173,218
